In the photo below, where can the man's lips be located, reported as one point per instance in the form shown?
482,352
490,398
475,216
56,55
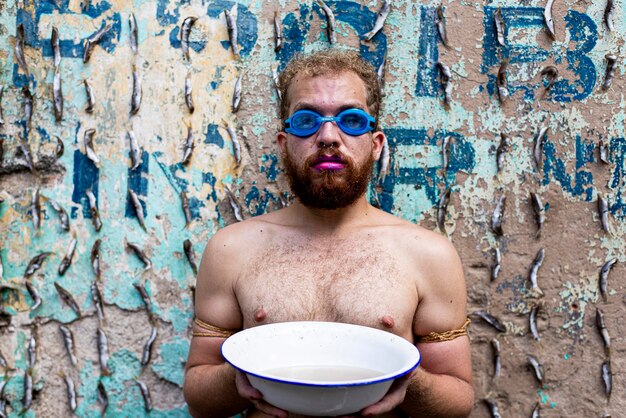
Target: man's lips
329,163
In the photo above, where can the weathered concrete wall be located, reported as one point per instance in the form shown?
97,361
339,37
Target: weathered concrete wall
577,113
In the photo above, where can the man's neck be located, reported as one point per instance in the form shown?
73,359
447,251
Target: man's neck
332,221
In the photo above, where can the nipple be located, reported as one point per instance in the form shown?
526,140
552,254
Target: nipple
259,315
387,321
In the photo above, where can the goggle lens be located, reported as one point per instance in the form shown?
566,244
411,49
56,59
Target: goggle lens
354,121
303,121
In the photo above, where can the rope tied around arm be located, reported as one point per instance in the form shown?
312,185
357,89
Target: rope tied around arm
434,337
211,330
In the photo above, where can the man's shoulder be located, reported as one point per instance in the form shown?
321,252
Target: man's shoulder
415,237
230,248
427,253
250,232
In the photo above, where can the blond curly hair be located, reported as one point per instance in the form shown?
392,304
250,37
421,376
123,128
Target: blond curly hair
330,61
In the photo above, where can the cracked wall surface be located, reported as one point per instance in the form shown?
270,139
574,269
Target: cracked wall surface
578,162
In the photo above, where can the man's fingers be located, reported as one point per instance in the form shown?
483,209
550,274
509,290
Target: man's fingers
266,408
386,404
392,399
245,389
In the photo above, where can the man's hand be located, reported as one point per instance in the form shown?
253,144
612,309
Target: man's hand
247,391
393,398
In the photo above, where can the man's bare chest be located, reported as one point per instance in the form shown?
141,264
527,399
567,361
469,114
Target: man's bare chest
367,286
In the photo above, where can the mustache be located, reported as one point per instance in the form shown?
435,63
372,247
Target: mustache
325,155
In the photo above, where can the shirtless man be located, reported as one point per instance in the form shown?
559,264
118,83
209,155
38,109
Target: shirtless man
331,256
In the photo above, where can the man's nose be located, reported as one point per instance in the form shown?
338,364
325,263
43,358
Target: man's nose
328,135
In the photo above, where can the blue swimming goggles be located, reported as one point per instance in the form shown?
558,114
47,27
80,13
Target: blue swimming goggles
305,122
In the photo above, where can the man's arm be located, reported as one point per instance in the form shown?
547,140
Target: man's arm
442,385
209,386
442,391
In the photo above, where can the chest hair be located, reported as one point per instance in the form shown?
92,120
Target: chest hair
343,282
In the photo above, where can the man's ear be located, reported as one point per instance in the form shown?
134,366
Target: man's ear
281,140
378,140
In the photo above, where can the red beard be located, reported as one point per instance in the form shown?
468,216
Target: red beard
328,189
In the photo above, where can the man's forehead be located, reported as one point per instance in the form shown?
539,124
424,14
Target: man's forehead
339,105
345,87
350,75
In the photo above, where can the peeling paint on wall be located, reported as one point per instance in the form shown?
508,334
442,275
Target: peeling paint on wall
578,114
